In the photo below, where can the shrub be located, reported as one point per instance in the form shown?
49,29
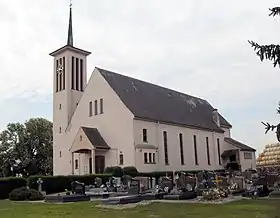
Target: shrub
55,184
115,171
9,184
25,194
132,171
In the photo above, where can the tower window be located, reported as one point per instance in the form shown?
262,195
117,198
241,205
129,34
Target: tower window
59,129
154,158
82,75
63,73
77,74
145,138
101,106
73,73
81,138
60,154
76,164
95,107
59,106
56,76
90,108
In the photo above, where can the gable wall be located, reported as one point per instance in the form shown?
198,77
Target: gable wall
115,125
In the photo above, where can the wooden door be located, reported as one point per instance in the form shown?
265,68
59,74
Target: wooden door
99,164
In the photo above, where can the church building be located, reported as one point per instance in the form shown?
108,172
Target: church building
116,120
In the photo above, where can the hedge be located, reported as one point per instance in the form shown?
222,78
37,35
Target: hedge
55,184
8,184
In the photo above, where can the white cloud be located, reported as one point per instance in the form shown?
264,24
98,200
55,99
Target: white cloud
199,47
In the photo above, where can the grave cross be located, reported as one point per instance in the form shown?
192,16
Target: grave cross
40,182
217,181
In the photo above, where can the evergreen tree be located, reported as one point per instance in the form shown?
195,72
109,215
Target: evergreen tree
272,53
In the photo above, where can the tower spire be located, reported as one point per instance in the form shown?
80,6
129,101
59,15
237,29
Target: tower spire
70,31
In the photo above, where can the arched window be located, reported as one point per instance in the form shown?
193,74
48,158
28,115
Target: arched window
81,138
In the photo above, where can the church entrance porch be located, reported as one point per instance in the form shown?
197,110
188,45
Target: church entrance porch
89,151
230,157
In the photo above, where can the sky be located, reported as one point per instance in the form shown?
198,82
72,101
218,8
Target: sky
198,47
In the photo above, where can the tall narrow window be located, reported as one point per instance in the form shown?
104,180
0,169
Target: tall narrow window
154,158
73,73
145,139
195,150
63,73
207,150
181,149
76,164
121,159
56,74
95,107
219,151
81,74
101,105
60,154
145,157
59,129
77,74
165,148
150,157
60,75
90,108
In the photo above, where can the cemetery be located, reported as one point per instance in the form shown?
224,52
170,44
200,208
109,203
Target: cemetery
97,192
201,186
163,192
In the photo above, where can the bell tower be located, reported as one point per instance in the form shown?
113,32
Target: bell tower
69,82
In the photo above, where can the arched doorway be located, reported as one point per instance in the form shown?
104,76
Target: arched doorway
99,164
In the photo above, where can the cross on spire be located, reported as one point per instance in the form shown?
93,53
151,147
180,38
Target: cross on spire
70,31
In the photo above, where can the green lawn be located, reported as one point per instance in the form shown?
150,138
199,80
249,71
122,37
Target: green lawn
241,209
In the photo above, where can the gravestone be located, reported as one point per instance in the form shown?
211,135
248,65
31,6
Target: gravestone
144,181
200,177
183,181
239,180
166,184
40,184
134,188
78,188
97,182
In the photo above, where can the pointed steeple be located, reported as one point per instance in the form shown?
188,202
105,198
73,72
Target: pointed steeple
70,31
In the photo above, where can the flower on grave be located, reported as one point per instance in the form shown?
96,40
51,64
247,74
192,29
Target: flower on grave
214,194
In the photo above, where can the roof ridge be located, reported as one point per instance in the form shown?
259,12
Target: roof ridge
150,83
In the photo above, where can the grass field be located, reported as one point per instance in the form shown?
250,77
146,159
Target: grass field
241,209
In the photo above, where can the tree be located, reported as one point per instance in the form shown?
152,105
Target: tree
271,53
26,149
